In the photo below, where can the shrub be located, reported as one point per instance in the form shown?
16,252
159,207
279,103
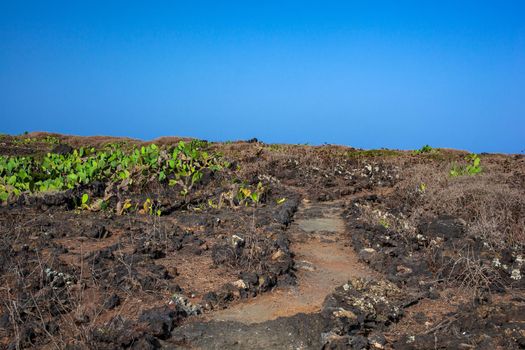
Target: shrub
425,149
471,168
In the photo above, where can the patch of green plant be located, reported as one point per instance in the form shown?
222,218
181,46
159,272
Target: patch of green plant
240,195
383,222
254,195
472,167
84,200
182,166
51,140
150,208
187,164
124,207
274,147
4,194
48,139
23,141
426,149
281,200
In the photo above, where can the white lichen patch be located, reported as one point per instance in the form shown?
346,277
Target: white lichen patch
515,275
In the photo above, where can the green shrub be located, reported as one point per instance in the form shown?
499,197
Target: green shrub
473,166
426,149
245,194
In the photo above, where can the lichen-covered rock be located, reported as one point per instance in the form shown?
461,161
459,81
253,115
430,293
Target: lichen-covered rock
184,304
362,306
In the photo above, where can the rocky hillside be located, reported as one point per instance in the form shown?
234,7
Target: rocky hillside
113,243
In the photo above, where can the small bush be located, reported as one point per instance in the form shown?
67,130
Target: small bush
425,149
472,168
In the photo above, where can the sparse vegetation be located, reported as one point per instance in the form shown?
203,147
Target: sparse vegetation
51,140
245,194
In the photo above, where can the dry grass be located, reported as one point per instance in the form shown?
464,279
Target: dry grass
473,275
491,205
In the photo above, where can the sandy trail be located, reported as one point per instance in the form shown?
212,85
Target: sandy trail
324,261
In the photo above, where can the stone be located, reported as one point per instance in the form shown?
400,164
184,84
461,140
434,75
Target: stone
240,284
277,255
367,254
344,313
160,321
445,226
237,241
112,302
62,149
185,305
97,232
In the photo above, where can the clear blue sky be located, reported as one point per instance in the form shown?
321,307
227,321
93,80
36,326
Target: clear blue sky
369,74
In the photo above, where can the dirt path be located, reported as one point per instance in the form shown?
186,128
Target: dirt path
324,261
287,318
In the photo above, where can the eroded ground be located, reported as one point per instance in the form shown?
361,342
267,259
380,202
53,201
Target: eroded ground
345,249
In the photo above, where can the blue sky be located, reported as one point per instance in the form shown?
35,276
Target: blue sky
370,74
